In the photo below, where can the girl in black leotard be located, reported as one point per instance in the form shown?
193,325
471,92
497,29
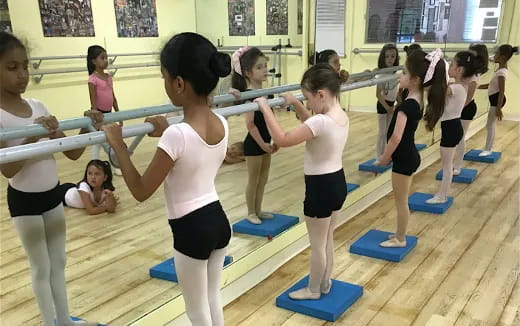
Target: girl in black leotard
249,71
420,71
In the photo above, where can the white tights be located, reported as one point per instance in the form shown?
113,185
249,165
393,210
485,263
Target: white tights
321,232
383,122
461,147
490,127
200,284
447,155
43,238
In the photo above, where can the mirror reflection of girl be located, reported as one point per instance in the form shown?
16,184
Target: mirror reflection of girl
464,65
386,94
470,106
332,58
187,159
249,72
421,71
403,92
496,92
325,135
33,196
95,192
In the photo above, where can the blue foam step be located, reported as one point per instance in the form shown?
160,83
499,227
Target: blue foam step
351,187
269,227
420,147
417,202
329,307
368,245
472,155
370,167
465,176
166,270
78,319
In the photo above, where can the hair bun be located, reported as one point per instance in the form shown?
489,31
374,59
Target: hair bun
220,64
515,49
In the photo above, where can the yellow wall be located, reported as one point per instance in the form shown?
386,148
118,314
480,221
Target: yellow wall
355,38
212,22
66,95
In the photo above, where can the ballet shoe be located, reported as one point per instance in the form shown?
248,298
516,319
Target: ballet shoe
266,216
325,287
252,218
456,171
376,162
84,323
391,236
436,200
304,294
393,243
485,153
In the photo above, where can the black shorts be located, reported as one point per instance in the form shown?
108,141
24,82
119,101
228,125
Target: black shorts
406,162
200,232
493,100
324,194
469,111
381,109
64,188
23,203
452,132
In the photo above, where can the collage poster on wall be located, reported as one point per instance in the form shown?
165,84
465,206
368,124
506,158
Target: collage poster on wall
5,19
66,18
300,16
241,15
277,17
136,18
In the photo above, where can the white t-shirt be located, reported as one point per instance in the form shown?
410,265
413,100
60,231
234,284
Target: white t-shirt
38,174
493,84
73,198
454,102
323,153
390,88
190,185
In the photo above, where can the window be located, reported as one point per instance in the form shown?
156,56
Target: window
439,21
330,25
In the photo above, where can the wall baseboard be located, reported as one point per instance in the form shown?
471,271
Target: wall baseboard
512,116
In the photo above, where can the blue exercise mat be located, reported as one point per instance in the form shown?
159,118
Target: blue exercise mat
420,147
465,176
472,155
417,202
269,227
351,187
166,270
370,167
368,245
329,307
79,319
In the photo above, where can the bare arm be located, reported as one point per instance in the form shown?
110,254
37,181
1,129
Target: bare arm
471,92
381,98
395,139
9,170
90,207
501,90
280,137
483,86
253,130
92,95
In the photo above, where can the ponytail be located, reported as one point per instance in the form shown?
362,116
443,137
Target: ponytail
471,62
438,86
482,52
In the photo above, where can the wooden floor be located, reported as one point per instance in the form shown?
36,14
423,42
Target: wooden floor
464,270
108,256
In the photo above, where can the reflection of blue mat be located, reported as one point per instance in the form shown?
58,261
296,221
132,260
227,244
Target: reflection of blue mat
465,176
329,307
78,319
417,202
166,269
472,155
351,187
370,167
420,147
368,245
269,228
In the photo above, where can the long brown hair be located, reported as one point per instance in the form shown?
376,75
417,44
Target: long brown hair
417,66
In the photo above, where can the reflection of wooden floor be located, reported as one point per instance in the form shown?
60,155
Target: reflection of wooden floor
109,255
464,270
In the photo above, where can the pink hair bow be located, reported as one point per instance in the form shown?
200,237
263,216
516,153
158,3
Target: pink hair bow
434,58
235,59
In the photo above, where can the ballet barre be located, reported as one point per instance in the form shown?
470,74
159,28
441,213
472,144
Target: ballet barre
23,152
84,122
